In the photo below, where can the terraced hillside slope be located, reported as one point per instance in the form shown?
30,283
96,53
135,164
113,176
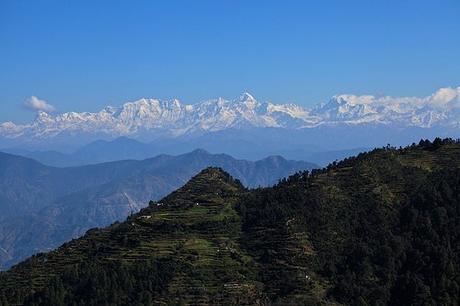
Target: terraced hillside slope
381,228
42,207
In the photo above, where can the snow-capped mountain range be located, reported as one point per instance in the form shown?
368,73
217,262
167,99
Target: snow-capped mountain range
171,118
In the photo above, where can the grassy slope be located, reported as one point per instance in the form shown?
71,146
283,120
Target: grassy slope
196,225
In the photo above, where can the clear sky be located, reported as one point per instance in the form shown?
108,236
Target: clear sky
84,55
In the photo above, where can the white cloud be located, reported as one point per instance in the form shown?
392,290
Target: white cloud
445,96
38,104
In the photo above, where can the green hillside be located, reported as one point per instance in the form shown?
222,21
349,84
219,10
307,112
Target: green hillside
381,228
42,207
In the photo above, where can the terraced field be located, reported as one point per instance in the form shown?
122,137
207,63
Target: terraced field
200,229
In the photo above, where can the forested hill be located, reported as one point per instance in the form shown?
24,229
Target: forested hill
380,228
42,207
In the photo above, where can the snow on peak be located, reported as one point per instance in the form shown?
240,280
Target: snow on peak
248,101
173,118
8,125
352,100
436,109
246,96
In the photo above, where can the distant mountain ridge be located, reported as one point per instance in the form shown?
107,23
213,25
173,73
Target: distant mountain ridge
124,148
42,206
150,118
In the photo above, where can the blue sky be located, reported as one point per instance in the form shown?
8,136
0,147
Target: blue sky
84,55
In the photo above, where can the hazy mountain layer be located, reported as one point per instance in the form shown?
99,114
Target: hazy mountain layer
125,148
41,207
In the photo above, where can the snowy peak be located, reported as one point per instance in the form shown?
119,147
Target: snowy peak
43,116
248,100
246,96
440,108
345,107
171,118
